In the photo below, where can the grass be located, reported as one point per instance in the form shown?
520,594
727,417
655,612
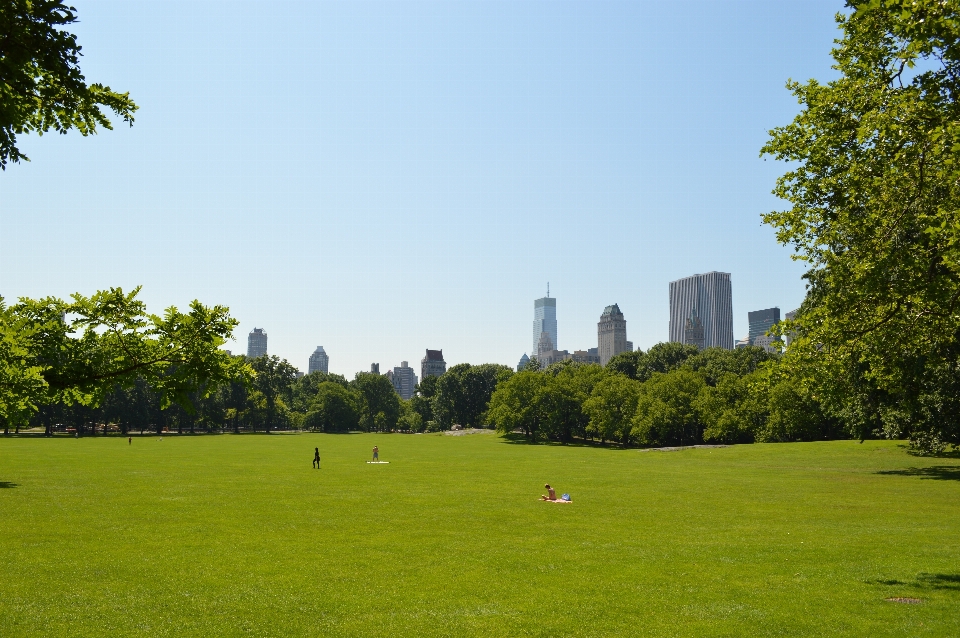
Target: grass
237,535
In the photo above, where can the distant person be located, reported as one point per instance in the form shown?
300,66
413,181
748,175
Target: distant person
551,494
316,457
129,440
376,454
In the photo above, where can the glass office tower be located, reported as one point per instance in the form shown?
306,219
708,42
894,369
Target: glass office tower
545,320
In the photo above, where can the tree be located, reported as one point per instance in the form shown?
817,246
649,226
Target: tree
273,379
422,400
611,408
874,197
662,357
563,398
41,86
305,389
793,416
410,420
715,363
666,410
334,409
463,393
76,352
516,405
379,402
627,363
732,409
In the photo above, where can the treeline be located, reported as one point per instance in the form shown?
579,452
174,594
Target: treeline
673,394
273,398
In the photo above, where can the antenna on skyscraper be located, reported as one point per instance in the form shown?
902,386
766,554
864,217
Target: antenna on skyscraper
548,288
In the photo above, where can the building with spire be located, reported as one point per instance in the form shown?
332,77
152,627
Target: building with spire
256,343
319,361
693,331
611,334
545,319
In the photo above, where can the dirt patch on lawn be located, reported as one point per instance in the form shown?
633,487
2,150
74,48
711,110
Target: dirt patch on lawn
467,431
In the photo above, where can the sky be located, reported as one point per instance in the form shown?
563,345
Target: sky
380,178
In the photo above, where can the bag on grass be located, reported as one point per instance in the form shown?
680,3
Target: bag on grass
565,497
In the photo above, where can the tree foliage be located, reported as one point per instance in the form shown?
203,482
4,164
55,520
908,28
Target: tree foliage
77,351
41,86
874,190
380,403
463,393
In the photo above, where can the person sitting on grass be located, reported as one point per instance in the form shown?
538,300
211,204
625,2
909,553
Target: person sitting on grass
551,494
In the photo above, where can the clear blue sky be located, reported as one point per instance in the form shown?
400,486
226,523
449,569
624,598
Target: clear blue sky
381,178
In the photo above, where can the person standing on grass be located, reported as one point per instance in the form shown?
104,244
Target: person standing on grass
316,457
376,454
129,440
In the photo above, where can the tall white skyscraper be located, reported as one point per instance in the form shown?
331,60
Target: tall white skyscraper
256,343
319,361
709,298
545,320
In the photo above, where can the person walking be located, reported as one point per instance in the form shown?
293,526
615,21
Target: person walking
129,440
316,457
376,454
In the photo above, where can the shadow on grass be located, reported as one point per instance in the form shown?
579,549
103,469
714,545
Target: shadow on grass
6,485
953,453
514,438
935,472
927,581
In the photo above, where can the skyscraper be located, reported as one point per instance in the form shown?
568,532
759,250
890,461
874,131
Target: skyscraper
611,333
404,380
708,296
760,321
319,361
545,319
432,365
256,343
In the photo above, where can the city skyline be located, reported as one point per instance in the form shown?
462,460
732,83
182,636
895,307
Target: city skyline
612,312
467,131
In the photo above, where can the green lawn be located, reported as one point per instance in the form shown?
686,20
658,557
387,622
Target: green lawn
237,535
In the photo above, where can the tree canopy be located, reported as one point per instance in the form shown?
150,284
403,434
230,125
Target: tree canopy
78,351
874,194
41,86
